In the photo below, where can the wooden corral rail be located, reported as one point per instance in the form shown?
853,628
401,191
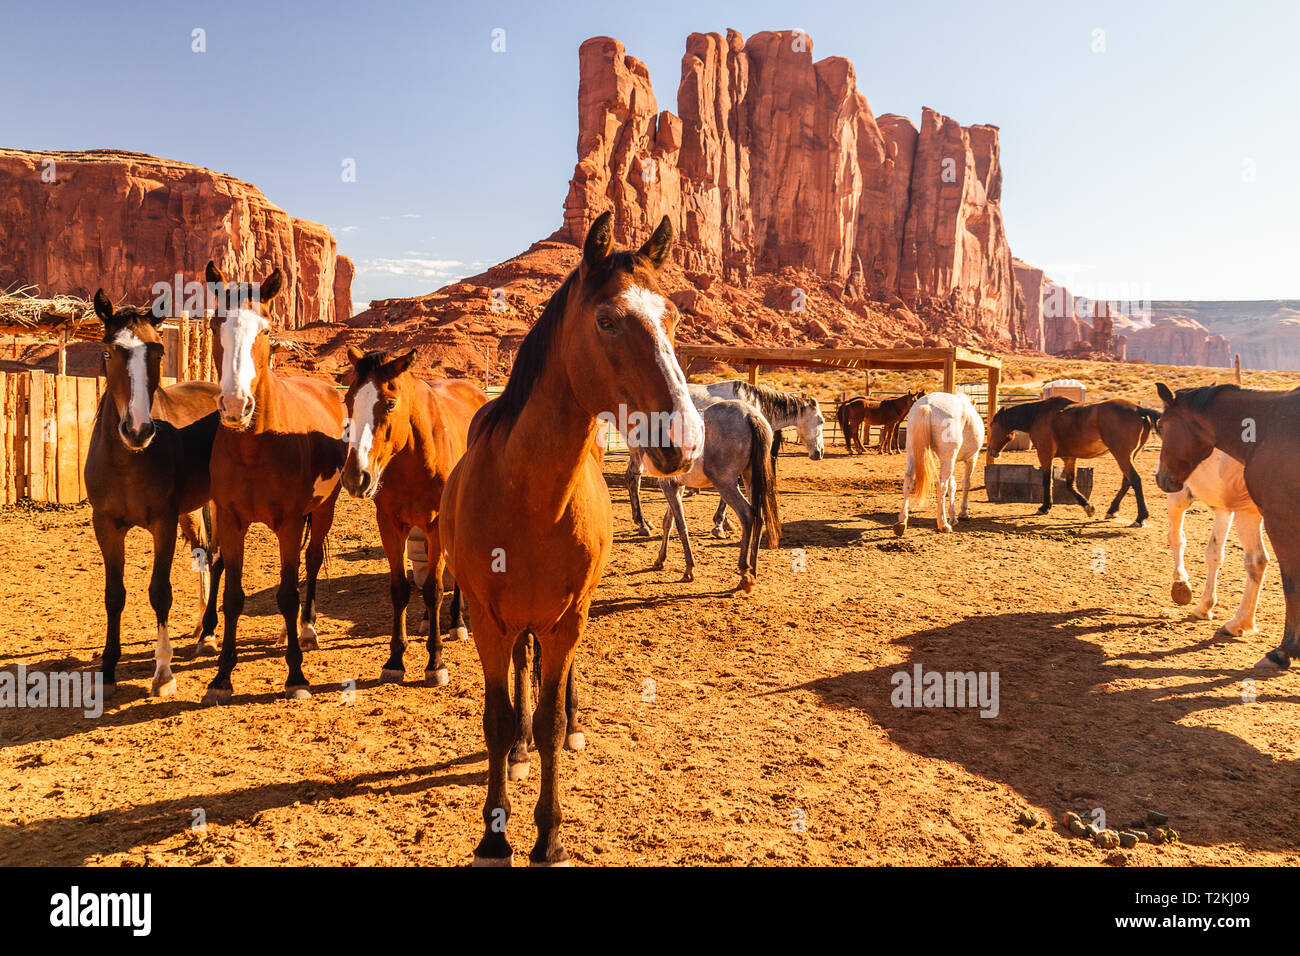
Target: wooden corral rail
946,359
46,419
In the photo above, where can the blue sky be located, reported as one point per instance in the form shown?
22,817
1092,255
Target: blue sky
1168,164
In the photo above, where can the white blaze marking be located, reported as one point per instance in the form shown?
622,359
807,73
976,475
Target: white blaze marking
238,333
138,374
363,423
650,307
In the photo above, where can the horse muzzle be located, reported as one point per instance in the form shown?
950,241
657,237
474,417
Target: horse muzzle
138,437
236,412
1167,483
669,461
359,483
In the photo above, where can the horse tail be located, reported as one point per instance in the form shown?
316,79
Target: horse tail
763,478
920,456
306,534
1149,418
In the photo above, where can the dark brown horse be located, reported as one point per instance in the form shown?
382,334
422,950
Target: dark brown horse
404,437
147,467
525,518
1063,428
276,460
1260,429
856,414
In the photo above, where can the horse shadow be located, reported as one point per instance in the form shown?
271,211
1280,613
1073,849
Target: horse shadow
72,840
1072,731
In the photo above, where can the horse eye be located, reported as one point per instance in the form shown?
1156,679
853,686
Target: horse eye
391,404
606,322
106,355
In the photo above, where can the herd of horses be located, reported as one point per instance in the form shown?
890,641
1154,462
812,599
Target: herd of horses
510,500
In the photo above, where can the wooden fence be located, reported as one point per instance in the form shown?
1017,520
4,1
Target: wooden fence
46,420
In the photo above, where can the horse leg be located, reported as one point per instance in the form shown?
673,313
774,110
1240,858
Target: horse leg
1124,486
1181,590
1068,466
678,511
523,674
230,535
720,529
1286,546
1214,549
1045,456
393,538
499,733
112,546
964,514
551,721
196,538
665,530
459,626
1136,481
633,477
160,599
1255,558
289,535
322,519
942,493
745,512
909,485
435,672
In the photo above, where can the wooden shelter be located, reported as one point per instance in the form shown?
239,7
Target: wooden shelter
946,359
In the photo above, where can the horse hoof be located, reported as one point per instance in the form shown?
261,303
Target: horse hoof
747,584
531,863
165,688
307,638
575,741
218,695
1224,633
1089,510
283,639
391,675
493,860
1140,523
1181,592
1042,511
642,530
437,678
108,691
657,566
718,533
421,628
297,693
899,529
688,577
459,634
1273,661
518,771
207,645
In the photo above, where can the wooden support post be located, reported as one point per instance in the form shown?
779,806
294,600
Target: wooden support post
995,378
63,351
868,382
950,371
87,403
183,348
1236,364
68,467
753,373
5,499
33,438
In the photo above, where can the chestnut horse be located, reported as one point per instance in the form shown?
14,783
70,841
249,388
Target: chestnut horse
1260,429
404,436
856,415
276,460
526,524
147,467
1063,428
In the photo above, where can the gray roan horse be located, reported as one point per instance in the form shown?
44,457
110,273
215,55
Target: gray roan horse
737,443
781,409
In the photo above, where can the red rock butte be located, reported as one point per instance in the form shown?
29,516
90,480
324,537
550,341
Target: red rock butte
72,222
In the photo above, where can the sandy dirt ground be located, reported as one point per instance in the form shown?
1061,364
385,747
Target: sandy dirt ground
767,735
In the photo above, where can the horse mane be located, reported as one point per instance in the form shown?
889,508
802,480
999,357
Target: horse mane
774,400
1200,399
373,362
535,352
1019,418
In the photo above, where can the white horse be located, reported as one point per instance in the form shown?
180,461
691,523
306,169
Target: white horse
1220,482
942,430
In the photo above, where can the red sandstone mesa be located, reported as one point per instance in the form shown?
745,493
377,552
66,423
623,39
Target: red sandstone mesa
73,221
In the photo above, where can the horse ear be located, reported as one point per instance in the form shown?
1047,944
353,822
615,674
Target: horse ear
355,355
402,362
103,306
214,275
1163,390
271,286
599,242
657,246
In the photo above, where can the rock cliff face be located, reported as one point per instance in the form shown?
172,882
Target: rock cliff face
71,222
1178,340
775,161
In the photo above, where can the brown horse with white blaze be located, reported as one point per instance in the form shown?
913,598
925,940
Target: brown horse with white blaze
404,437
1260,429
147,467
526,524
276,460
1063,428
